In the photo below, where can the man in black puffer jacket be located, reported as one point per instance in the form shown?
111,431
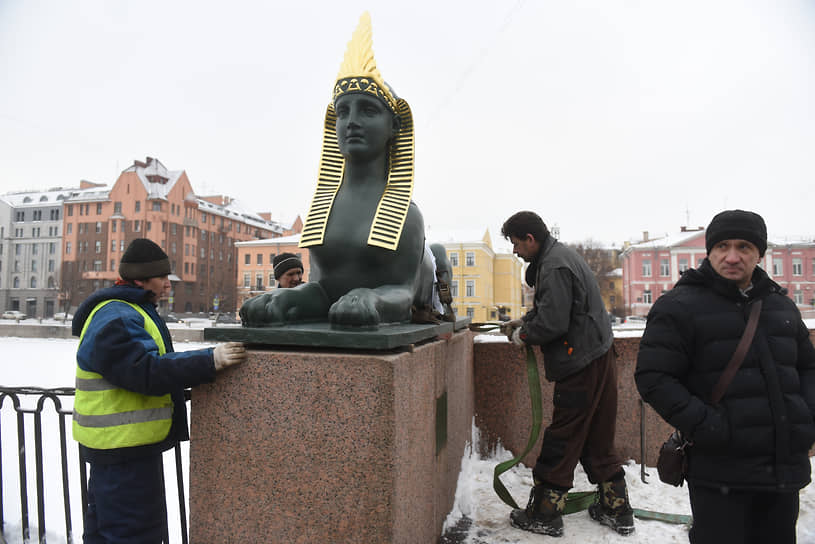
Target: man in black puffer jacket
749,453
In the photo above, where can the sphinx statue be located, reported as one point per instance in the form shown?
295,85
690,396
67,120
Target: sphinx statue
370,264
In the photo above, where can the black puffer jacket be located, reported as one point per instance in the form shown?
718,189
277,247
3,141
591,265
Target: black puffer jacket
759,435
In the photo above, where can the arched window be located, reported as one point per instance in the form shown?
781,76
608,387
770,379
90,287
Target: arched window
33,282
16,282
51,283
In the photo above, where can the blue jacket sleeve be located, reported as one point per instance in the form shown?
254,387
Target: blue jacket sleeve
117,346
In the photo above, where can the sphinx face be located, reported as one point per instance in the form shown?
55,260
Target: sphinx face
365,126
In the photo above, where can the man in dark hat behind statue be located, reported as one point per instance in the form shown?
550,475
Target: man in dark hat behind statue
288,270
129,405
748,456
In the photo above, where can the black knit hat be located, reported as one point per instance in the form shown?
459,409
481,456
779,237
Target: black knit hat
285,262
737,225
143,259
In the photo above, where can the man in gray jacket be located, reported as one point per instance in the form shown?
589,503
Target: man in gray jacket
570,324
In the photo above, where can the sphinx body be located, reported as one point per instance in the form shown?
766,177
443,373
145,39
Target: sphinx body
370,264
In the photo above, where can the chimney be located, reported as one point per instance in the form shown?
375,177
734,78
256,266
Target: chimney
645,236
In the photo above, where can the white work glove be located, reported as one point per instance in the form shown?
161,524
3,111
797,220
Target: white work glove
509,327
516,337
228,354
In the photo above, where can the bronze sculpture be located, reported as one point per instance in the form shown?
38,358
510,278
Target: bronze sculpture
370,264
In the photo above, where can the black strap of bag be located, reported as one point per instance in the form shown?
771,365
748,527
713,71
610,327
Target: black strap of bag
738,356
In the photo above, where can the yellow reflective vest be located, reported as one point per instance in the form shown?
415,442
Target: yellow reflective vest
107,416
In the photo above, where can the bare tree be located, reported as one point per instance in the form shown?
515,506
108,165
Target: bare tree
603,261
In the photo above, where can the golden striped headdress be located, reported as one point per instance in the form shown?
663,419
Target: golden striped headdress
359,74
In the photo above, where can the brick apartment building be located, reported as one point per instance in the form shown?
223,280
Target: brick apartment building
150,201
653,266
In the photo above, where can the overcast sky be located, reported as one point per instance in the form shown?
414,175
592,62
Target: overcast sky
607,117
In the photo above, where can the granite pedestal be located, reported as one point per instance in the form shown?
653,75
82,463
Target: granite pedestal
331,445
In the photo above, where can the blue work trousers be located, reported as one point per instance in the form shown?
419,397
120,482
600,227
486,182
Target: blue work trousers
126,503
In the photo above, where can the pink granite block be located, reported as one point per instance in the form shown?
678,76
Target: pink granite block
503,409
317,446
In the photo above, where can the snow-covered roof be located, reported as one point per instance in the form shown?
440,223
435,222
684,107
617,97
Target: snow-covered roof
158,181
52,196
236,210
669,240
293,239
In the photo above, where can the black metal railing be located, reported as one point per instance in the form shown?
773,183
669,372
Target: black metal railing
35,406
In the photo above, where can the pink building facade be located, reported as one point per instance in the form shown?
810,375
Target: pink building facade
652,267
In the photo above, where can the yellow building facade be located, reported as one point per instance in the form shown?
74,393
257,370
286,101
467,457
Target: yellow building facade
485,284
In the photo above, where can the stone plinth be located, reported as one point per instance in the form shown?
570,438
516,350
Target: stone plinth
504,414
301,445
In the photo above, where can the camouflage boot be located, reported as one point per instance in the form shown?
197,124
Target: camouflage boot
612,507
544,512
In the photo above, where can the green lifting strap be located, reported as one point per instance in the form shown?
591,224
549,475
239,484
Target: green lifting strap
576,501
537,416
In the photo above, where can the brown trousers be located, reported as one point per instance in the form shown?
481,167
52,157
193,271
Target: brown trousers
584,419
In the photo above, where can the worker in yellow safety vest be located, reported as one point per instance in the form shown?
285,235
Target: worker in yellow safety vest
129,405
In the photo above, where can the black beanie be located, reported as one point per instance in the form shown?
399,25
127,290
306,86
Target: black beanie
285,262
737,225
143,259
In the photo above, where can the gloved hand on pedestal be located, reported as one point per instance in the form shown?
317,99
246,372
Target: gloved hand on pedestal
228,354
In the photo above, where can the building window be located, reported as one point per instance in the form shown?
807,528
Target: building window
683,265
33,282
97,266
137,226
271,278
117,207
798,297
203,217
247,259
173,228
50,265
112,264
470,312
778,267
469,259
37,215
98,208
454,288
469,288
612,300
156,206
611,285
67,248
259,281
138,205
797,267
113,246
646,268
19,216
646,296
260,259
664,267
69,229
33,266
97,245
16,282
454,260
98,227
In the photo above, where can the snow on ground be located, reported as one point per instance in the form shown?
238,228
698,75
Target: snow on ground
50,363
